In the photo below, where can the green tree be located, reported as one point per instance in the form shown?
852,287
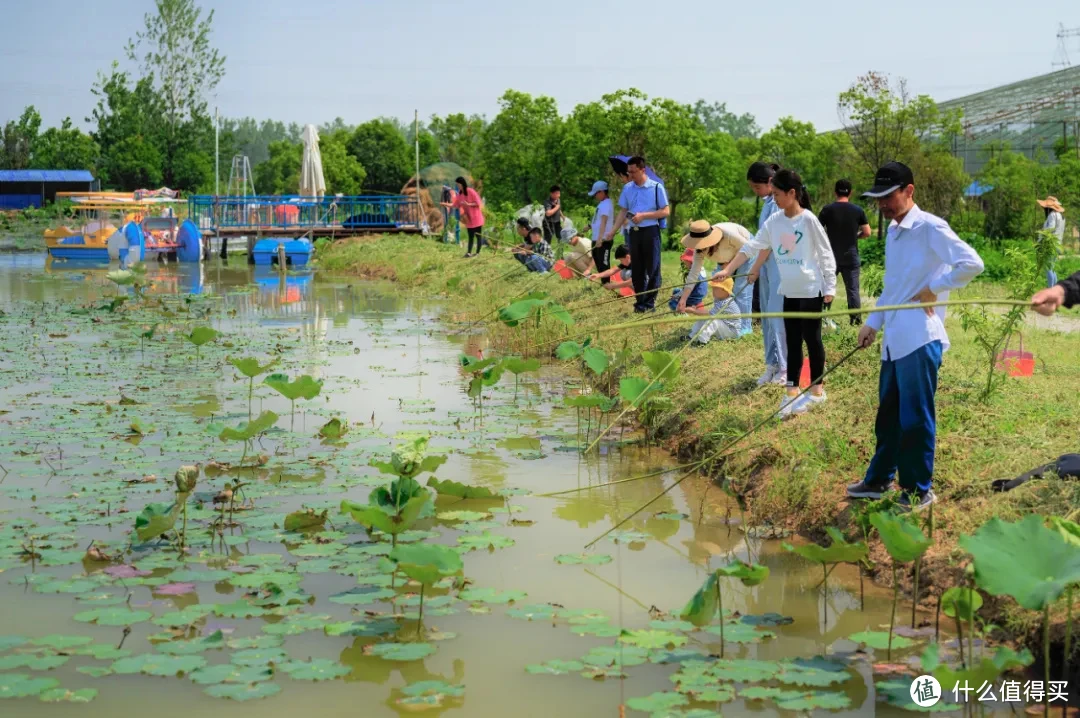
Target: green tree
817,157
458,137
381,150
717,118
174,51
343,173
65,148
128,121
515,157
1010,206
17,140
249,137
280,173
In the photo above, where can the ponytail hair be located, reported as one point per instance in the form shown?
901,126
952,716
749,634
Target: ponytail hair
761,172
787,180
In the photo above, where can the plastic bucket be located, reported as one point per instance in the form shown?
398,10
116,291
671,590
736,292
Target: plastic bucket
562,270
1016,362
626,291
804,375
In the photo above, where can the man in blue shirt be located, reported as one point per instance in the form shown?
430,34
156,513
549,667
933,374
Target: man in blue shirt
644,201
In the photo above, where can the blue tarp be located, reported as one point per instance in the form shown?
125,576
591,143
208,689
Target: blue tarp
977,189
46,176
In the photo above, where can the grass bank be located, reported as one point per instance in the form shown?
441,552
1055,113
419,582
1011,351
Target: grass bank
791,475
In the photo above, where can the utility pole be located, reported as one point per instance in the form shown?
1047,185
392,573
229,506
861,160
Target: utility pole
1061,59
217,169
416,141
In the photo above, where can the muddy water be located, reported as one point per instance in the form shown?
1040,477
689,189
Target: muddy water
74,473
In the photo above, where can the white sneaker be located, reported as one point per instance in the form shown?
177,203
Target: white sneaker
808,402
791,405
779,377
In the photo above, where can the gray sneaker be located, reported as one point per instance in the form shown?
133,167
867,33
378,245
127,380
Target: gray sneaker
904,503
863,490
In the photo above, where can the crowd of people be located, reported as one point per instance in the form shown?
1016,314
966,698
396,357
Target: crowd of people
794,261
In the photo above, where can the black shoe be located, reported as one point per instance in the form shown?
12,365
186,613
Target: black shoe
863,490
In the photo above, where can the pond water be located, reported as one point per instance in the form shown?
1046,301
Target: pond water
76,378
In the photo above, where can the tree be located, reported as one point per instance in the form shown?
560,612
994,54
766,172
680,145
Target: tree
249,137
818,158
1010,206
716,118
343,173
128,122
174,51
17,140
280,173
381,150
515,157
65,148
457,137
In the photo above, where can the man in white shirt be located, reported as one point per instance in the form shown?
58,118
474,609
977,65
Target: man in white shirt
924,259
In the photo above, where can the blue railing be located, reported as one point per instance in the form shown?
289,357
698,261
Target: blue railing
269,212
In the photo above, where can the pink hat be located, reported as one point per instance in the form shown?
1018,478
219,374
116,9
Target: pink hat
687,256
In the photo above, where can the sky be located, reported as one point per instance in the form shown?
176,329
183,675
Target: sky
314,60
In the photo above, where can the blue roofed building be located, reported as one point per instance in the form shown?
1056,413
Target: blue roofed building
33,188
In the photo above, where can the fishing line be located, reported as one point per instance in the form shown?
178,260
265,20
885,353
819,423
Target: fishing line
776,315
716,454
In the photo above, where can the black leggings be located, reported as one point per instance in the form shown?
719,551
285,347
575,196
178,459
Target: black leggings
601,254
804,330
475,232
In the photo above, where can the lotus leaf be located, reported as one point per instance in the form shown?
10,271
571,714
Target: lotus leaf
34,663
375,517
453,488
315,670
304,387
490,595
840,551
736,632
400,651
1025,560
473,542
904,541
250,367
156,519
259,656
961,602
231,673
302,520
189,648
239,692
596,359
517,365
246,432
62,643
113,616
703,605
153,664
616,656
427,563
987,671
334,429
657,702
555,667
663,366
880,640
749,574
651,639
635,389
63,695
568,350
202,335
815,700
20,685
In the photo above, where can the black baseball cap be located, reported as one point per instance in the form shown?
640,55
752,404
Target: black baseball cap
891,177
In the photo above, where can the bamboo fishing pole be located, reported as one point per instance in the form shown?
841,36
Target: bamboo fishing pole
721,450
780,315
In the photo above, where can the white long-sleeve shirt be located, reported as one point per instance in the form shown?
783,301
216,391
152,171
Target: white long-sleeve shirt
921,251
802,251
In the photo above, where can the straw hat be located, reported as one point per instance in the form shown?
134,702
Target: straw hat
701,235
728,284
1051,203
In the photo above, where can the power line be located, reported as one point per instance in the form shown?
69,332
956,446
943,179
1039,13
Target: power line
1061,59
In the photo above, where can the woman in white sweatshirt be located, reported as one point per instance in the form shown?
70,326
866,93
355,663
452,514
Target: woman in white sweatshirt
807,280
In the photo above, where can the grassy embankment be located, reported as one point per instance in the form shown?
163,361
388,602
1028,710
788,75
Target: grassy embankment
792,474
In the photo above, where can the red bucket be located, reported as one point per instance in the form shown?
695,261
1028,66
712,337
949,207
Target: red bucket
562,270
804,375
1016,362
626,291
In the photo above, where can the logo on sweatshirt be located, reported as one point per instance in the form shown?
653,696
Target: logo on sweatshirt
788,242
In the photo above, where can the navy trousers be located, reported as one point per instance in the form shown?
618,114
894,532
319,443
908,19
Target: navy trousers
645,265
906,421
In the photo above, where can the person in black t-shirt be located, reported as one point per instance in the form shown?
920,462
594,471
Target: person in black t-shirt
552,224
846,224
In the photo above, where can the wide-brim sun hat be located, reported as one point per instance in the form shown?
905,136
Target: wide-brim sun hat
701,235
1051,202
727,284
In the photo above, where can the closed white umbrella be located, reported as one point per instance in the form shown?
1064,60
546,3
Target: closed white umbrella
312,183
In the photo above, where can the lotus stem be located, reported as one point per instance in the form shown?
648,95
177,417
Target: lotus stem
1068,632
825,597
420,620
971,621
960,639
1046,658
720,603
862,596
251,391
915,592
183,528
937,620
892,615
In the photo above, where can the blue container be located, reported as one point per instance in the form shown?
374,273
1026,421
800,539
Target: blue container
297,251
190,240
